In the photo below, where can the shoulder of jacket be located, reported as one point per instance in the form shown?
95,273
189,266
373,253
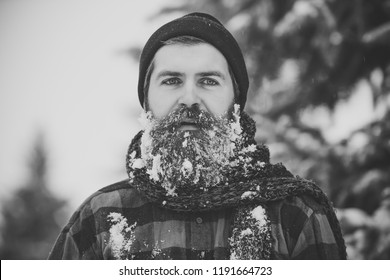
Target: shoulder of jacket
108,194
124,184
305,203
111,196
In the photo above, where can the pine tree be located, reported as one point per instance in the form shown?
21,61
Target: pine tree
32,215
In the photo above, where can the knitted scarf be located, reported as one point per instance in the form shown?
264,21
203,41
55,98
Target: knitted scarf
247,186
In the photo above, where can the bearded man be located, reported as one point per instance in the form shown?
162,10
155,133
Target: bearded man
199,187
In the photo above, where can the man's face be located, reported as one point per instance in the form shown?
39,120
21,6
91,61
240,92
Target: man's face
188,75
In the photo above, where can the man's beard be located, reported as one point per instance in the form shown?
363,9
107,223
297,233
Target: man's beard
188,161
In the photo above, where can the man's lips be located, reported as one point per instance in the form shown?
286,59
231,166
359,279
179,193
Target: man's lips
188,124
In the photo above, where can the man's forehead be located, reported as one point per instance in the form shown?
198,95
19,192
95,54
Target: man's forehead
180,58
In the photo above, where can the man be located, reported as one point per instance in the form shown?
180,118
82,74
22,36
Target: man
199,187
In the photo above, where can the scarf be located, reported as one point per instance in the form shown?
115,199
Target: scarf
252,182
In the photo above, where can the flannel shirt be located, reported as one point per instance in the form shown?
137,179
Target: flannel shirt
299,228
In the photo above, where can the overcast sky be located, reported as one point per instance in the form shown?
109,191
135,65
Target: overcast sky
64,71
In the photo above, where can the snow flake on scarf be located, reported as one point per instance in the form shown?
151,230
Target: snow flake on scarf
122,236
251,236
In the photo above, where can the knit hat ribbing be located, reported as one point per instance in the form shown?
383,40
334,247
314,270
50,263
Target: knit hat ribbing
207,28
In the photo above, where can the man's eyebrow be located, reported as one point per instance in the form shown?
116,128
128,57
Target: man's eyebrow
167,73
212,73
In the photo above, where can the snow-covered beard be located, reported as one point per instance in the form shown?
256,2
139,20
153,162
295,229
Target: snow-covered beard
193,159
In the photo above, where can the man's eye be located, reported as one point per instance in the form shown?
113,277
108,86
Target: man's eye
209,82
171,81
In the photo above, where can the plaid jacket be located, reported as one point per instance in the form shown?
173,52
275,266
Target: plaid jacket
299,227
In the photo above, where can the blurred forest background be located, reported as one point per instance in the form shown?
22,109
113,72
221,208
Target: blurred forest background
306,59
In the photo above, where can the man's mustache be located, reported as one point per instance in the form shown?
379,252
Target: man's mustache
186,115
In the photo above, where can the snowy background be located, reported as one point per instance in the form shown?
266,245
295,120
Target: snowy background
69,106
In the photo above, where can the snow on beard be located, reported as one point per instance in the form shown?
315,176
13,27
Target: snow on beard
187,160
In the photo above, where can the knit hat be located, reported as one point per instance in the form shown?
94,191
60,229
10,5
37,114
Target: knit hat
207,28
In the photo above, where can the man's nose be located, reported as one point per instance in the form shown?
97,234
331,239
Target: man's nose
189,95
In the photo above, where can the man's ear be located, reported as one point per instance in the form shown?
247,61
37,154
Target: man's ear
146,102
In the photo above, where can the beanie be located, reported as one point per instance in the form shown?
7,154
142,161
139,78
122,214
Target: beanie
207,28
